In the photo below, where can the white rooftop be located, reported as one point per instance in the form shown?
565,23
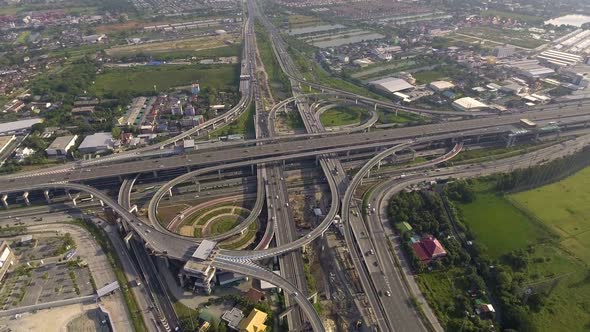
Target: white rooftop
204,249
469,103
18,125
392,84
97,140
442,85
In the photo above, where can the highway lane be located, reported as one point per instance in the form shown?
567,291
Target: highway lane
283,150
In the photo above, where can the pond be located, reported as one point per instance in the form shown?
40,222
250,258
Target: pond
572,19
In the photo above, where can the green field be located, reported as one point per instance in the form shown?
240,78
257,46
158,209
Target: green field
504,36
223,224
391,117
556,219
141,80
428,76
342,116
564,207
499,226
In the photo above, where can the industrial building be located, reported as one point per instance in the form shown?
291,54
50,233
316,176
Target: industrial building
440,86
99,142
391,85
559,59
6,258
469,104
18,127
61,145
530,69
505,51
579,74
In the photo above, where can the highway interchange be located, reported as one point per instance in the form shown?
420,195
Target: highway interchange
266,154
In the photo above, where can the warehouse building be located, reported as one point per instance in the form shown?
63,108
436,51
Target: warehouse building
559,59
61,145
18,127
530,69
99,142
391,85
468,104
440,86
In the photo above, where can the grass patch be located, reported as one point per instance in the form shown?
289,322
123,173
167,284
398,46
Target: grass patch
498,225
248,236
438,289
225,51
184,45
23,37
427,76
391,117
189,317
279,82
292,120
224,224
141,80
504,36
342,116
563,207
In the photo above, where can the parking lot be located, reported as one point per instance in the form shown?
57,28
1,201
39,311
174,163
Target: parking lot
48,283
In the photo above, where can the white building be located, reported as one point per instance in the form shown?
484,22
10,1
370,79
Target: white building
391,85
99,142
469,104
61,145
439,86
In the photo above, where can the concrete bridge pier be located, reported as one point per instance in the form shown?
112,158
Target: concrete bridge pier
252,169
181,277
379,165
69,194
5,200
356,101
375,108
219,174
155,174
317,159
91,198
170,192
101,202
75,198
26,198
47,197
127,238
511,140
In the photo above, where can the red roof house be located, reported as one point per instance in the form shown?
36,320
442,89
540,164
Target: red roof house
428,248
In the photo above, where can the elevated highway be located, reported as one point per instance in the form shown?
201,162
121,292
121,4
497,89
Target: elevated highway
282,150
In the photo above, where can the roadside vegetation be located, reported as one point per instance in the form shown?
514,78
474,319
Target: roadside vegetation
279,82
244,125
522,241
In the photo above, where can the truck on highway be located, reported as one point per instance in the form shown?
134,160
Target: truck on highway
526,123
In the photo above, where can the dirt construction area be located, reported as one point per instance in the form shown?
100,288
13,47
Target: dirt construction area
75,317
184,45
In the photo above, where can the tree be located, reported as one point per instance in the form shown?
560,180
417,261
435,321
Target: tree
116,132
